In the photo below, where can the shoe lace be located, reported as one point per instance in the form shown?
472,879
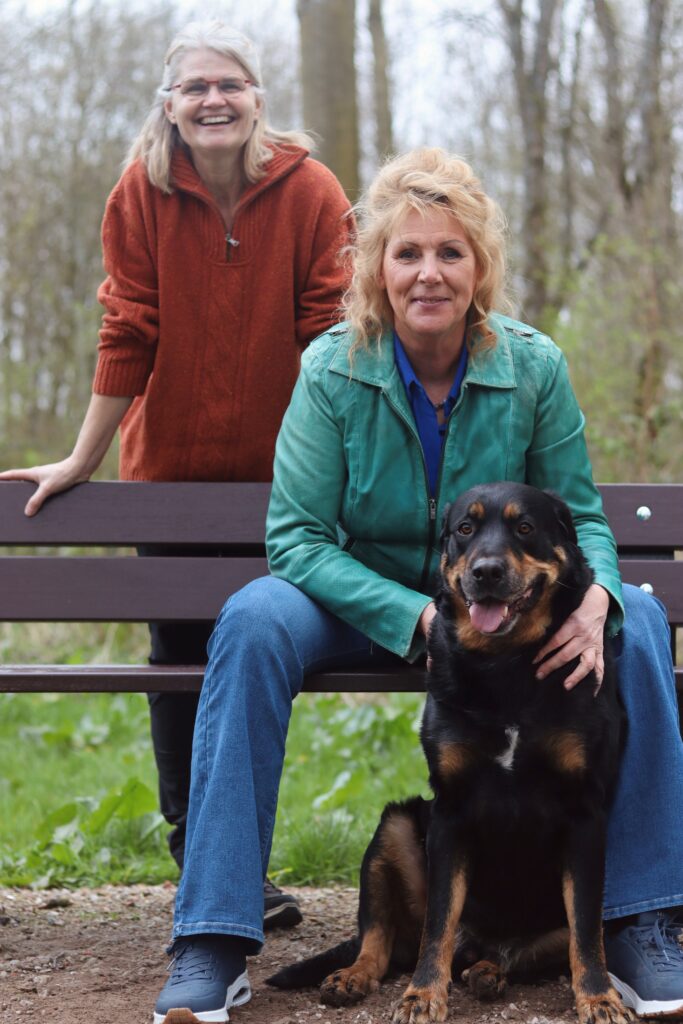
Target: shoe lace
191,962
661,938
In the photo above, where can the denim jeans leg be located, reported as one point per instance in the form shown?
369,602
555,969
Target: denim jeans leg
265,640
644,869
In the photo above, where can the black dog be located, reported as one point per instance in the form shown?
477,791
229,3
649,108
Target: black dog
510,851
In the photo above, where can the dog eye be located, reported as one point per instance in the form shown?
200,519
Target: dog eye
524,528
465,529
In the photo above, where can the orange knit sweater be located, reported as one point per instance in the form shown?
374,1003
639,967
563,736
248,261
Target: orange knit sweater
207,335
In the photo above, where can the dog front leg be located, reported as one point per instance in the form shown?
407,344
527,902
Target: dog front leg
426,998
597,1001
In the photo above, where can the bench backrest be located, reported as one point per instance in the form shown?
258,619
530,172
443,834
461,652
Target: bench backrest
647,521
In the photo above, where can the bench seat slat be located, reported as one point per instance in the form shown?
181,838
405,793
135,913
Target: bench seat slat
183,678
146,678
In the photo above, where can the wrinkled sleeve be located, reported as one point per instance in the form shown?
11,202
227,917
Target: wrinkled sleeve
558,460
325,274
129,294
302,543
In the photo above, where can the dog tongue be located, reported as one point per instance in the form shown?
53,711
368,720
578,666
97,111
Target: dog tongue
487,617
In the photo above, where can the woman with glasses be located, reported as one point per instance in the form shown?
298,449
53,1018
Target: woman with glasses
221,244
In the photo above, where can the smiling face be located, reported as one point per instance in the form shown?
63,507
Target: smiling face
429,272
215,123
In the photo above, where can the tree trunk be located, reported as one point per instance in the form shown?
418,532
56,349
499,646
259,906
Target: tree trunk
328,75
531,70
383,126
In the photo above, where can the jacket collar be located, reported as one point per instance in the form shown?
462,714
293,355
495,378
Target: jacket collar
493,368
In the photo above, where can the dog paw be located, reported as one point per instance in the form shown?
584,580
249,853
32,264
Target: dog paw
421,1006
347,986
485,980
603,1009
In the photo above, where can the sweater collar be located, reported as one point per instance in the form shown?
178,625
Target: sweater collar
283,161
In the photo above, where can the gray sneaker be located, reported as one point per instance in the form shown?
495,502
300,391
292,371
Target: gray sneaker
645,963
206,978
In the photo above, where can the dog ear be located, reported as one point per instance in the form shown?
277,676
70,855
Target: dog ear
445,531
564,516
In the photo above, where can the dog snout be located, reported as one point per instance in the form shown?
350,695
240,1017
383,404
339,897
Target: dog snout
488,571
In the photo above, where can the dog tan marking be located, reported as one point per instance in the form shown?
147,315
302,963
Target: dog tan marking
351,984
531,628
512,510
550,948
423,1003
467,635
402,849
560,554
567,751
485,980
529,568
476,510
454,758
601,1008
452,574
421,1006
401,854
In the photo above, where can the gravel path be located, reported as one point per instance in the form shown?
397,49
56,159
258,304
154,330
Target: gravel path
96,956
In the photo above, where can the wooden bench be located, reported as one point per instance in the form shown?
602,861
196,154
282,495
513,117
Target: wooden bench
66,586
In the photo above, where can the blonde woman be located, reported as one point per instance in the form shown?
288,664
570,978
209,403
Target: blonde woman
425,391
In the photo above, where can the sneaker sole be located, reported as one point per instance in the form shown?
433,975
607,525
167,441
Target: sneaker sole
238,994
646,1007
285,915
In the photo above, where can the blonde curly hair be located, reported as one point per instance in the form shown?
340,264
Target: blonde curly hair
421,180
158,138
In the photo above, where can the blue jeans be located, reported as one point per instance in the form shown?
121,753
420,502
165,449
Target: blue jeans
269,635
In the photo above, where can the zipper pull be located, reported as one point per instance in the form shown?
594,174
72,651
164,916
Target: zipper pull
231,243
432,509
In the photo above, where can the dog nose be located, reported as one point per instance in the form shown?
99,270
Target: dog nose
488,570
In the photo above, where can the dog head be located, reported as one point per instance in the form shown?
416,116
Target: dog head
506,550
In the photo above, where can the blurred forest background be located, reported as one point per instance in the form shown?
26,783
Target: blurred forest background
570,110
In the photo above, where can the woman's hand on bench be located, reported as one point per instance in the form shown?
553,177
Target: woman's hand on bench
51,479
101,422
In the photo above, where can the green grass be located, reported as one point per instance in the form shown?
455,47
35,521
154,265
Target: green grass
78,799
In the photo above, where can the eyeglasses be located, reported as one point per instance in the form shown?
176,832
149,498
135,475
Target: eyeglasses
198,88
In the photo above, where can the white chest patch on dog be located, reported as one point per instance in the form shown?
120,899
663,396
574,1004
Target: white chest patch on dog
507,757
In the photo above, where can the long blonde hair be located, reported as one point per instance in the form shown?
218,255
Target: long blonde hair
158,138
421,180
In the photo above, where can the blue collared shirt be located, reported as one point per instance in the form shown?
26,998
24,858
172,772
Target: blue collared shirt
430,431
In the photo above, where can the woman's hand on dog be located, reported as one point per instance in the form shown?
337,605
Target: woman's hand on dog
582,637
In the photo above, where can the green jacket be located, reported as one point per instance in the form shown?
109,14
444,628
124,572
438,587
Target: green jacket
351,521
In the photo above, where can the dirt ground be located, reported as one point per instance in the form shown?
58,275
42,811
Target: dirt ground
97,955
